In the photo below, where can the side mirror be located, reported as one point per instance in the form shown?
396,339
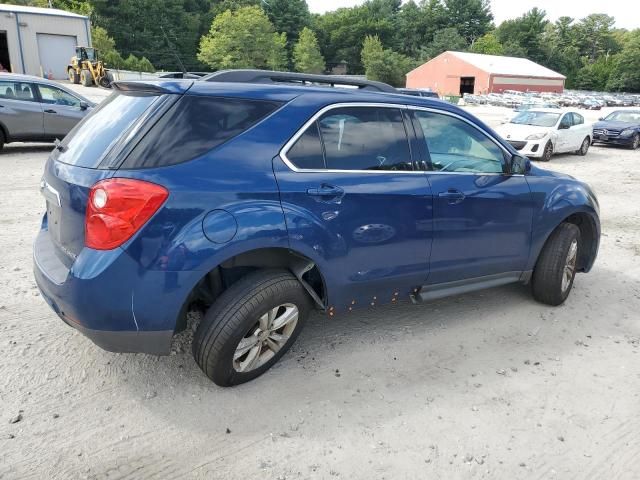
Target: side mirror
520,165
563,127
601,119
84,105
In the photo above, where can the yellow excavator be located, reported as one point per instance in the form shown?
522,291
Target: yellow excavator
87,69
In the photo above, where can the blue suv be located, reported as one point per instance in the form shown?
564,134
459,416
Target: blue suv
259,197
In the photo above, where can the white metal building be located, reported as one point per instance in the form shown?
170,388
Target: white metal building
40,41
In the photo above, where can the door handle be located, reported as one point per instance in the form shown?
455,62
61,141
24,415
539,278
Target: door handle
49,110
325,191
453,196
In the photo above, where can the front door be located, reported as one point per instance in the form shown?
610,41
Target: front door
354,200
62,111
482,214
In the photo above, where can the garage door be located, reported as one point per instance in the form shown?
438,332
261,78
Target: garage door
55,52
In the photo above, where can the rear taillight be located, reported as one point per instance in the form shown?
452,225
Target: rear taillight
117,208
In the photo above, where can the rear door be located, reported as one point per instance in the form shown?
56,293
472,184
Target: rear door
352,196
482,214
20,111
61,111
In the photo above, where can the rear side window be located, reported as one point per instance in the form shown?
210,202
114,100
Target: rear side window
307,151
578,119
193,126
93,138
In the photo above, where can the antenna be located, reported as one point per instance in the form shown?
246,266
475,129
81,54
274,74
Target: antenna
174,51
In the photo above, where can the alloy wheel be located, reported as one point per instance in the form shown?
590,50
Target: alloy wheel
570,265
265,338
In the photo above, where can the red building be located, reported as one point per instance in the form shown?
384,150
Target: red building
456,73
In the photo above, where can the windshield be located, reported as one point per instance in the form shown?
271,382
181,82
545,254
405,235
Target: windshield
538,119
629,117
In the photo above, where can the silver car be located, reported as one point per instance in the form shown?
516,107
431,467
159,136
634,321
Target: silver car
33,109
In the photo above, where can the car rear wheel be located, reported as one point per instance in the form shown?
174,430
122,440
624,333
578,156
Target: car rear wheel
556,267
584,148
250,326
548,152
635,143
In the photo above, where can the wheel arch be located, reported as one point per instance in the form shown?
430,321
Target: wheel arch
589,238
213,282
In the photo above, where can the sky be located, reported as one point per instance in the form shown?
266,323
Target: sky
626,12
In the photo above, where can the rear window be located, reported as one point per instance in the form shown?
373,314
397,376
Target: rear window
90,140
195,125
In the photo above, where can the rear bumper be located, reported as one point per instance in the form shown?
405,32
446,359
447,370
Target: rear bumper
110,299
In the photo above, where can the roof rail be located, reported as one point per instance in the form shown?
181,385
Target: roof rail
267,76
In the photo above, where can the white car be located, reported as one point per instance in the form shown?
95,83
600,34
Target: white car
541,132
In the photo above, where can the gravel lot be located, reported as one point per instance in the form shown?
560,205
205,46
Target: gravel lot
486,385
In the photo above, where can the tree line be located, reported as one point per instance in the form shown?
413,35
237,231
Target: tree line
383,39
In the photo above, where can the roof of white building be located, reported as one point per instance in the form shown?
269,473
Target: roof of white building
495,64
38,11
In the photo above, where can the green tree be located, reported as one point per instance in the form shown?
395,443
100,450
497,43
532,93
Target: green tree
144,65
487,44
445,39
471,18
384,65
595,36
525,32
342,32
625,71
278,57
242,39
288,16
102,41
306,53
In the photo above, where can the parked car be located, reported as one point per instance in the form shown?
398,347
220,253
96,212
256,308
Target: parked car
541,132
418,92
269,200
33,109
621,127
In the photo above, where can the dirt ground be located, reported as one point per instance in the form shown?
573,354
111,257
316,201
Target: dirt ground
487,385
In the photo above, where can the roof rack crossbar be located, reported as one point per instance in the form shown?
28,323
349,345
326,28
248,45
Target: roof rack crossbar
267,76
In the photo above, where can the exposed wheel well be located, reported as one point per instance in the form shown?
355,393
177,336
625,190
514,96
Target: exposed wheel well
588,232
215,282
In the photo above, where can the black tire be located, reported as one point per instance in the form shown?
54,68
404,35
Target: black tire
547,280
584,148
74,77
85,78
548,152
635,143
236,313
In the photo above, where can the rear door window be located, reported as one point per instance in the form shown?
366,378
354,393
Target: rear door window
365,138
98,132
195,125
17,91
306,153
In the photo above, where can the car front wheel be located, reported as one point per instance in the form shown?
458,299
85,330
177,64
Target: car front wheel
250,326
635,143
556,267
548,152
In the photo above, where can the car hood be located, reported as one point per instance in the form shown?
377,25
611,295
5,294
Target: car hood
616,125
514,131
